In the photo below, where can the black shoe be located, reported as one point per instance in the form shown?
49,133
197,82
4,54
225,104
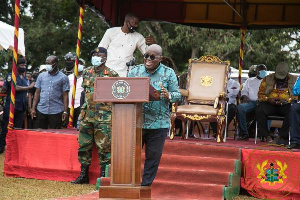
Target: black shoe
281,141
266,139
294,146
244,137
1,150
83,178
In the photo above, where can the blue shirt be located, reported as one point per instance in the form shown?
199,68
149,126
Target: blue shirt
296,88
52,88
156,114
20,96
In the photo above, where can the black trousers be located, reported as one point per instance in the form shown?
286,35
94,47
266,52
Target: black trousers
295,123
18,123
265,109
45,121
153,140
75,117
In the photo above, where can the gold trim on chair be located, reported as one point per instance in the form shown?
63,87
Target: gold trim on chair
196,117
207,79
209,59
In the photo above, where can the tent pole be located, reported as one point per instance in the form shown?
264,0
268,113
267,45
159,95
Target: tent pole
79,37
14,68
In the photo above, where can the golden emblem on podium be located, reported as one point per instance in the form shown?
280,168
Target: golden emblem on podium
120,89
206,80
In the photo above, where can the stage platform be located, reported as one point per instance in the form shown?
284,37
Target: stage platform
267,171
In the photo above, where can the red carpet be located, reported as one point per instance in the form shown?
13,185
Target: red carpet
196,171
45,155
189,169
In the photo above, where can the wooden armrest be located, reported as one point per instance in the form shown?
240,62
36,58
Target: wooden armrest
184,92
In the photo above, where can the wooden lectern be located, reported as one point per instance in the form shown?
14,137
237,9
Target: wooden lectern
127,96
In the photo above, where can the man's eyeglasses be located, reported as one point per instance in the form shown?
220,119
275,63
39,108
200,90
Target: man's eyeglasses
152,57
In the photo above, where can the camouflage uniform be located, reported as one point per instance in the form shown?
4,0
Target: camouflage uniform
95,121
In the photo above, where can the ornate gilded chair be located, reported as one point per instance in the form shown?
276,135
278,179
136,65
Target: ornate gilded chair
205,93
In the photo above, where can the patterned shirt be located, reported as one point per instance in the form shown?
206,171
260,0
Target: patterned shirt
296,88
156,114
52,88
280,91
95,111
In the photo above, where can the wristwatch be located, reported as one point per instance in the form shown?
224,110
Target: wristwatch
65,112
170,96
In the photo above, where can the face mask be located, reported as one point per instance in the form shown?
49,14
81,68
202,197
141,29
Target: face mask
49,68
21,70
262,73
97,61
132,29
80,68
69,65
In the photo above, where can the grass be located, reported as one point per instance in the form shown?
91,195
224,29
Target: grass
32,189
21,188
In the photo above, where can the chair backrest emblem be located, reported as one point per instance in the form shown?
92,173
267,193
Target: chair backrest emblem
206,80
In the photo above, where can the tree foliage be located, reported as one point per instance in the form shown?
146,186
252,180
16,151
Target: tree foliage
51,29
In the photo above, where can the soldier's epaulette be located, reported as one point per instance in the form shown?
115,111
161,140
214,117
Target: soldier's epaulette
89,70
114,73
110,71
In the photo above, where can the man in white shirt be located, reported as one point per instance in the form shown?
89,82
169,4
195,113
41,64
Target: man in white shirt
78,92
249,97
121,43
233,88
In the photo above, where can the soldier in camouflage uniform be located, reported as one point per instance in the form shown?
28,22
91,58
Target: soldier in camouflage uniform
95,118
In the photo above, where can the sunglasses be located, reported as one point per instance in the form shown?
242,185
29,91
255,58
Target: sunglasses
152,57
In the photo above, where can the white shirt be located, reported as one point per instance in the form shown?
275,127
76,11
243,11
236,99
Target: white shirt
78,91
120,48
232,93
251,87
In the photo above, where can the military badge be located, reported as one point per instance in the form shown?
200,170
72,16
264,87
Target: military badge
120,89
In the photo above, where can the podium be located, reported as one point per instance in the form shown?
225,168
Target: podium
126,95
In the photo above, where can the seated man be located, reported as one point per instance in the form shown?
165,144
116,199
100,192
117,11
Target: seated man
249,98
295,119
233,88
275,96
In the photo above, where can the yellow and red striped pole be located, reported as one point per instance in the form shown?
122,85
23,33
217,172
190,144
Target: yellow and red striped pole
14,68
79,37
243,31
